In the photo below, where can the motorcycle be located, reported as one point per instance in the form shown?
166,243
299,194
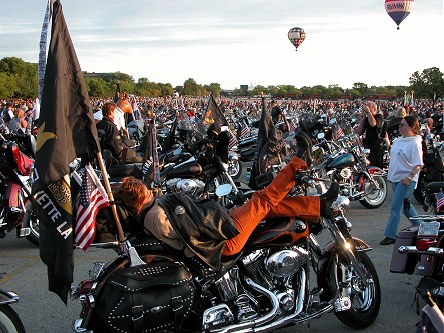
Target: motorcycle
419,250
10,321
345,161
265,287
433,169
15,192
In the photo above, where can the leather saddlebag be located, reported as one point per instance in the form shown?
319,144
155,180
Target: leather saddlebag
146,298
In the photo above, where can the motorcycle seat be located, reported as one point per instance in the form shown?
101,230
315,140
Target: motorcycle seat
123,170
434,187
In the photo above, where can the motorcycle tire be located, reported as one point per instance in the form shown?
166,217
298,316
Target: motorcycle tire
10,321
235,170
375,198
365,304
34,236
33,224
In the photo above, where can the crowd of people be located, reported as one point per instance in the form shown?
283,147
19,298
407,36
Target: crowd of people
112,118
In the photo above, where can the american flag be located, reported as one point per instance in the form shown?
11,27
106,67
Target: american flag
93,197
233,141
439,201
245,129
337,132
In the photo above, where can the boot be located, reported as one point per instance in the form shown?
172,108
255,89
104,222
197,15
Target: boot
327,199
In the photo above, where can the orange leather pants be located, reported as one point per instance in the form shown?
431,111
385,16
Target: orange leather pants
272,202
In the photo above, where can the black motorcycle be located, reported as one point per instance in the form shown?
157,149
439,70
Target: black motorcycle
265,287
433,169
419,250
10,321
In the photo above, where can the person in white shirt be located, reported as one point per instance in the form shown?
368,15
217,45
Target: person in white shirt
122,107
405,164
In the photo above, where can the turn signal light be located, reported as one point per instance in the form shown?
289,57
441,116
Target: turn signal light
424,244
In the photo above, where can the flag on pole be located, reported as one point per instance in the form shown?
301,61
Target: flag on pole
213,113
245,130
268,148
169,141
439,201
93,197
337,132
66,130
233,141
117,93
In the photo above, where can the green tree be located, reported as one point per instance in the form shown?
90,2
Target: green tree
97,87
362,88
428,84
7,85
214,88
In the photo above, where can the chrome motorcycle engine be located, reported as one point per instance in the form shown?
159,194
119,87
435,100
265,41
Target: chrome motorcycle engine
272,270
184,185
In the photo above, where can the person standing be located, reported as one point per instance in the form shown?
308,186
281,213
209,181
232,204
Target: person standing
276,112
370,127
405,163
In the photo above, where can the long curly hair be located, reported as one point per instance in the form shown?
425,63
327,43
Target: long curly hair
132,193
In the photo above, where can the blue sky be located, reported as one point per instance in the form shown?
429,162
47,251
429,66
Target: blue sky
238,42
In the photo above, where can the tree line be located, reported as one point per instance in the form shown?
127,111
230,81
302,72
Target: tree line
18,79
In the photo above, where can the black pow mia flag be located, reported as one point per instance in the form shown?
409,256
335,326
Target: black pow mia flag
66,130
268,148
213,113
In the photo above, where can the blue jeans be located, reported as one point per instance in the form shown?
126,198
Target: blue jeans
400,192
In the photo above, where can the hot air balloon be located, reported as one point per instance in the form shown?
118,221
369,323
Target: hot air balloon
296,36
398,9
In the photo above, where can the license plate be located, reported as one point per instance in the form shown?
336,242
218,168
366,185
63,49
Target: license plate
428,229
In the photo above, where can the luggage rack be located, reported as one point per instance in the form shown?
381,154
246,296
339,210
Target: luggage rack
428,218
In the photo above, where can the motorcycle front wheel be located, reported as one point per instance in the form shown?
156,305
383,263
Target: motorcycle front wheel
375,197
10,321
365,303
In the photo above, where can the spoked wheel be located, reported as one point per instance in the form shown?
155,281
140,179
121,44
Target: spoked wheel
365,301
375,197
10,321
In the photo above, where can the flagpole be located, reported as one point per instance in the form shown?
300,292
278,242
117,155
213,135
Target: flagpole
111,198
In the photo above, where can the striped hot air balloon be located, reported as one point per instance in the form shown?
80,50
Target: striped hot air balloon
398,10
296,36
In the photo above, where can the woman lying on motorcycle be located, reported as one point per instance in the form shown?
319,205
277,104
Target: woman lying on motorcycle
222,234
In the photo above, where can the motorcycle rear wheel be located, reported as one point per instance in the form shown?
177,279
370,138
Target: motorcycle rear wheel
34,236
33,224
10,321
365,303
375,198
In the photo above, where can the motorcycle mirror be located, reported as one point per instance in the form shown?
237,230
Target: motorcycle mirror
223,190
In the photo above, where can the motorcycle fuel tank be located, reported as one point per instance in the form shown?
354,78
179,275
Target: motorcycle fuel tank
279,232
342,161
186,169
